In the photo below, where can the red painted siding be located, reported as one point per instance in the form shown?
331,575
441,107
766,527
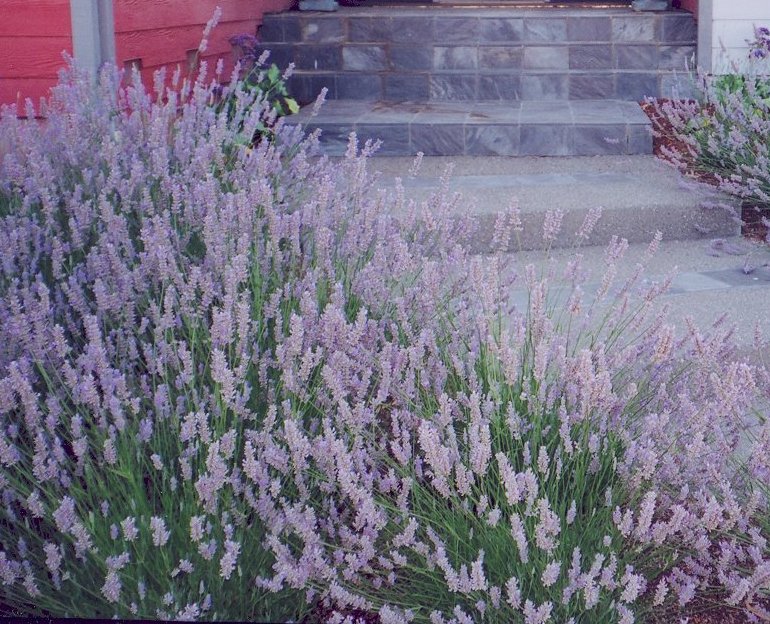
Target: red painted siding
34,33
162,32
691,5
33,36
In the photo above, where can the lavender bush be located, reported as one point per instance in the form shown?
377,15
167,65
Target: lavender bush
234,386
725,135
759,47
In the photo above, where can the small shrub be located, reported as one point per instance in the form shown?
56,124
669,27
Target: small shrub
726,134
269,83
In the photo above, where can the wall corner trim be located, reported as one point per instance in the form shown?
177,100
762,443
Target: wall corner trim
93,33
705,35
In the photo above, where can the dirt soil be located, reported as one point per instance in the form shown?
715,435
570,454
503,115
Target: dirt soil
702,612
664,135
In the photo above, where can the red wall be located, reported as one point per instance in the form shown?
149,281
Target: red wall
691,5
163,32
33,35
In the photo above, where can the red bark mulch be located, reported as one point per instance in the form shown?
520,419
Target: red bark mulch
703,611
664,138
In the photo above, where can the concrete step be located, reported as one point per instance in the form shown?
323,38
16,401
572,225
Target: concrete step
528,128
471,53
638,195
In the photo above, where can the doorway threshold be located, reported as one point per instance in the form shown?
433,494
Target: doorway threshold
535,4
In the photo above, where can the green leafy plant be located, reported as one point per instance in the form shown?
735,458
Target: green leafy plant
265,84
751,89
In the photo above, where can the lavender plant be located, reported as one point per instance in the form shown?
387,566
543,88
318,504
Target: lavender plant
233,385
759,47
726,134
539,486
128,430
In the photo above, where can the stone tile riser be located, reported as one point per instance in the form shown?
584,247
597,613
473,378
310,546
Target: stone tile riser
486,57
532,129
470,87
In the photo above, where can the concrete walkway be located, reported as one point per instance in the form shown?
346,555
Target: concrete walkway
708,282
639,195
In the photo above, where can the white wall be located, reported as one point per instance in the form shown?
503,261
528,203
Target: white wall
723,28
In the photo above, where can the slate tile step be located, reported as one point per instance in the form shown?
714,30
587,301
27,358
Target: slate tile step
516,128
492,86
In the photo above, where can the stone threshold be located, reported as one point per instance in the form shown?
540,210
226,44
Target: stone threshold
484,11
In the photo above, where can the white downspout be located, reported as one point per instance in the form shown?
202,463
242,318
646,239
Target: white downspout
93,33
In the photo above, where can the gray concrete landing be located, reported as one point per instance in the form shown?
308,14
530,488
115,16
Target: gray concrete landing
515,128
638,195
707,283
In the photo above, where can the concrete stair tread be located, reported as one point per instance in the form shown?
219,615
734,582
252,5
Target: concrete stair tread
639,195
520,127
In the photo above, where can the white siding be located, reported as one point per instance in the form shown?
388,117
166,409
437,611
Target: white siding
732,24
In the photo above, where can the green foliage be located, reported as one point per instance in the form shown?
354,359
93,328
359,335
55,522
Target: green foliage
271,85
267,88
754,91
